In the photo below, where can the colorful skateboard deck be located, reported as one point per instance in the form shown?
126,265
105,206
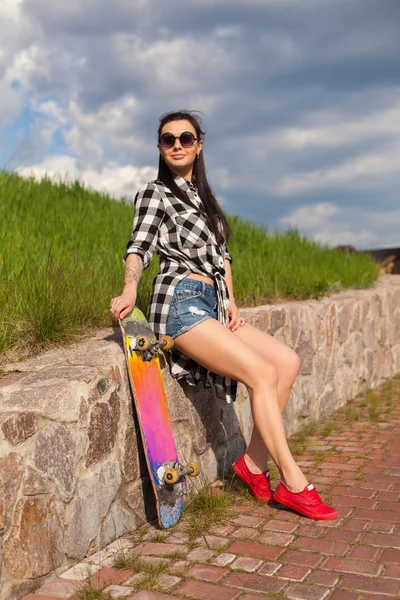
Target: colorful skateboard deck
153,416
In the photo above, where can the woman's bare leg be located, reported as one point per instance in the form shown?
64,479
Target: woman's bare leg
284,359
287,363
219,350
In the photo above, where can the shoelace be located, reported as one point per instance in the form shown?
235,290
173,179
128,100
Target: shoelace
312,495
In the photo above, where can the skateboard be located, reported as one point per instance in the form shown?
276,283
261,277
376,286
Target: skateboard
167,474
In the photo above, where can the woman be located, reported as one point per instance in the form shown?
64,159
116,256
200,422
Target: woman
192,300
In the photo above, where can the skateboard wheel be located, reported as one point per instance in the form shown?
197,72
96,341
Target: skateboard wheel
143,342
171,476
195,469
168,342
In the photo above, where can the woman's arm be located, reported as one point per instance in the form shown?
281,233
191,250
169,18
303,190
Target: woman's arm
149,211
233,318
123,304
228,279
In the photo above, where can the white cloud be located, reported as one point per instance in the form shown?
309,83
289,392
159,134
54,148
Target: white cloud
340,130
358,173
330,224
311,216
111,178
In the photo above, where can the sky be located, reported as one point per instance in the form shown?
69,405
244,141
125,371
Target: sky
301,101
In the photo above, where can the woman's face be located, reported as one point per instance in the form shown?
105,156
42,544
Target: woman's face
180,159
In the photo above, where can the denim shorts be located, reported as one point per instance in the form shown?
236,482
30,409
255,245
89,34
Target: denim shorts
193,301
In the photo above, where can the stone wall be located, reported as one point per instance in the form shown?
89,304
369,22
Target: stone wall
72,475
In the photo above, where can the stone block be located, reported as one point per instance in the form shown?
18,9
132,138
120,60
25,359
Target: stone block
56,454
85,374
395,358
352,350
229,422
305,406
281,335
305,349
320,371
365,306
34,544
369,364
204,418
17,427
99,389
57,401
118,522
35,483
184,443
370,331
90,505
133,496
226,454
129,454
102,429
383,332
10,478
262,321
84,412
208,465
383,357
12,590
277,318
294,326
243,413
326,402
355,318
178,403
330,327
97,352
343,321
343,384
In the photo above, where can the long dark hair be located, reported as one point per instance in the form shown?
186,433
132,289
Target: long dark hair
213,212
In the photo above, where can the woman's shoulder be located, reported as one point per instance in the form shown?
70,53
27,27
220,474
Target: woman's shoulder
153,189
154,185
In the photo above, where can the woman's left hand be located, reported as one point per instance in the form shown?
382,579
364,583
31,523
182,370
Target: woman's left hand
233,318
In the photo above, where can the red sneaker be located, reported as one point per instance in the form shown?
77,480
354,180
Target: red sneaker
259,484
307,502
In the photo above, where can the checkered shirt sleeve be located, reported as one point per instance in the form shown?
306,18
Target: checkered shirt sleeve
149,211
227,255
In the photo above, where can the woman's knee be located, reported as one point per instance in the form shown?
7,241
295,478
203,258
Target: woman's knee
263,374
292,364
288,367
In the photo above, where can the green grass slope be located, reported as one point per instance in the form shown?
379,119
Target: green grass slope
61,249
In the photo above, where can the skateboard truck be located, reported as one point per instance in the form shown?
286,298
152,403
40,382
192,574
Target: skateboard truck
170,472
150,346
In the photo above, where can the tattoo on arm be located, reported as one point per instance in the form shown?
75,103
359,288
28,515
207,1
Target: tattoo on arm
133,269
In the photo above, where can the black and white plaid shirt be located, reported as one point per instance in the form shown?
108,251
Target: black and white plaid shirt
185,244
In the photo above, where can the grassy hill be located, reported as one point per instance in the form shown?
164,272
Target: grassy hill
61,249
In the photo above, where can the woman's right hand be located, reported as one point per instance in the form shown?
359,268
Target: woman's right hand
122,305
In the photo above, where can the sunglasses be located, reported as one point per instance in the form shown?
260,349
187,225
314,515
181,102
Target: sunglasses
187,139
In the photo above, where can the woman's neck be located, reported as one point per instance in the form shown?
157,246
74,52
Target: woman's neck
185,173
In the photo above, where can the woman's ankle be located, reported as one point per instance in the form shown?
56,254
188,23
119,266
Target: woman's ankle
253,466
295,481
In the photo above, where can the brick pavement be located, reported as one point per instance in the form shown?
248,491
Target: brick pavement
268,552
